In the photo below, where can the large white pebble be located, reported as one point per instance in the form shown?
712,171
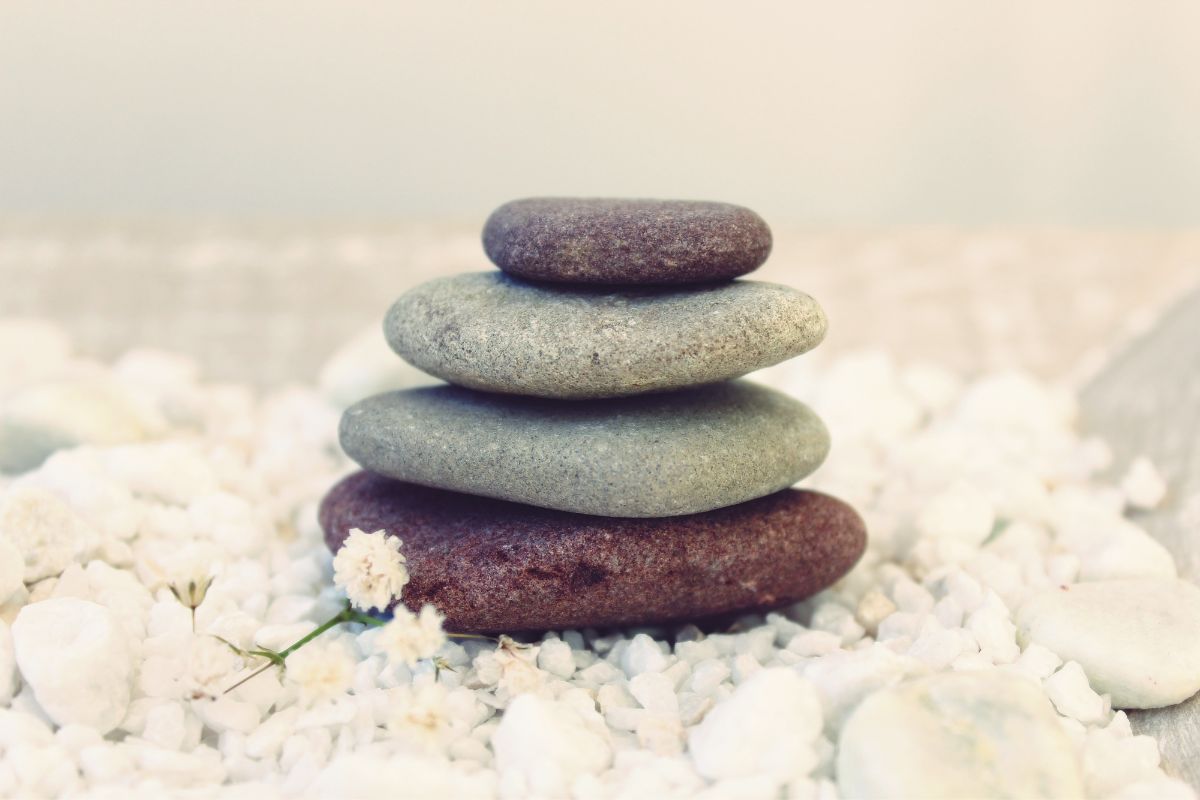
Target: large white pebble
1138,640
44,530
547,743
12,570
956,735
7,664
49,416
76,657
768,725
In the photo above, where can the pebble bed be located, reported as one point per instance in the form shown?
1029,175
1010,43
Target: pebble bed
979,495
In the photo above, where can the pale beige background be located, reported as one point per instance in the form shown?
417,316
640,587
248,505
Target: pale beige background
921,111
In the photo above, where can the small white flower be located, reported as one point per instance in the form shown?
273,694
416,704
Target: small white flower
419,713
370,567
211,666
518,667
321,671
410,637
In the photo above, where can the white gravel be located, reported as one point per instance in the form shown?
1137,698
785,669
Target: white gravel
981,498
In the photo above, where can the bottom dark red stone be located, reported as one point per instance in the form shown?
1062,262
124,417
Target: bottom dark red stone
494,566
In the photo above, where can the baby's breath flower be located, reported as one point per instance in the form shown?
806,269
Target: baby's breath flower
410,637
322,671
419,713
370,567
519,672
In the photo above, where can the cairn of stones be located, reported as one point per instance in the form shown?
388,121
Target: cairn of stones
594,459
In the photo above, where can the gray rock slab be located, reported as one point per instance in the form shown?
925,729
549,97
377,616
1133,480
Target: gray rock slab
619,241
493,332
654,456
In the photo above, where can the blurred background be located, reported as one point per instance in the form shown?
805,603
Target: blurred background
983,184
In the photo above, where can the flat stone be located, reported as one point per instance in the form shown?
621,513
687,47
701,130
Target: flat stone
955,735
652,456
497,333
615,241
494,566
1137,640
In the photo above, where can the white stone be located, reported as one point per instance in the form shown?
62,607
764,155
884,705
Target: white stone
768,725
643,655
844,678
1143,485
655,692
957,735
873,608
960,513
1120,549
814,643
44,530
547,744
835,618
555,657
1068,689
12,570
77,658
1038,661
45,417
8,664
1137,640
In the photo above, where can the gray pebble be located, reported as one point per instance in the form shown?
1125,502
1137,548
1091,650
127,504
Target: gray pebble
493,332
654,456
616,241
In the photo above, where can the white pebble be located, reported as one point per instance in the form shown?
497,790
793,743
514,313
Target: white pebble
1137,640
768,725
1143,486
78,660
655,692
814,643
643,655
961,513
1068,689
44,530
957,735
547,744
555,657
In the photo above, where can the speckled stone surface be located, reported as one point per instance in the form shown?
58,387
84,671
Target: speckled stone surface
493,566
617,241
651,456
489,331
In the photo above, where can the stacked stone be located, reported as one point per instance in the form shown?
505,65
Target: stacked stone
594,462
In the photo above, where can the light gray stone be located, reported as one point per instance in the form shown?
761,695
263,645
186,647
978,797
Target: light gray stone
956,735
497,333
1137,639
657,455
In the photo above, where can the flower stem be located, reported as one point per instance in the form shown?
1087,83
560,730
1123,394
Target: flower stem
347,614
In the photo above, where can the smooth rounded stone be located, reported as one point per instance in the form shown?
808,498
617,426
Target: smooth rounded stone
1137,640
955,735
78,660
616,241
486,330
494,566
652,456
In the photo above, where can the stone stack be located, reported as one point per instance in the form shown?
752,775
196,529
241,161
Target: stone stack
594,461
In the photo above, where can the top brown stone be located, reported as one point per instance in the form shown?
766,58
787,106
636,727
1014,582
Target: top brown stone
614,241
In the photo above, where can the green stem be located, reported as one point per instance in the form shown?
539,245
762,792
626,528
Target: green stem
347,614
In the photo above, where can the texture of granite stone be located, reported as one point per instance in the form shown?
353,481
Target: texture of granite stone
625,241
655,455
490,331
495,566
